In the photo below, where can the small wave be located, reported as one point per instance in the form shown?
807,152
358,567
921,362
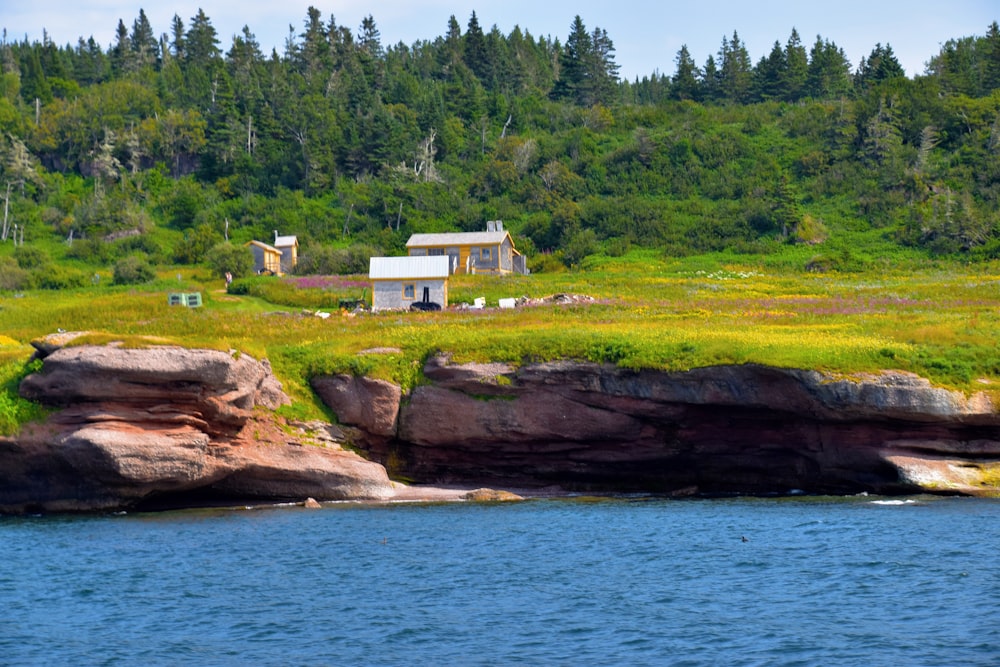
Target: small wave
894,502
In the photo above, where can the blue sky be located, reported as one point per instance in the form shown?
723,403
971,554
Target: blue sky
647,35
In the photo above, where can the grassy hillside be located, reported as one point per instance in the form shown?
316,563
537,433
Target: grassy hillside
938,320
796,212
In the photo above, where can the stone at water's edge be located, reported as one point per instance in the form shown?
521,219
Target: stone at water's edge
167,426
727,429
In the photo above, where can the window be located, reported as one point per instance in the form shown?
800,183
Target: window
484,254
408,291
435,252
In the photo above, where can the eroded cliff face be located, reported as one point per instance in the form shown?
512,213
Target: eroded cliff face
168,426
731,429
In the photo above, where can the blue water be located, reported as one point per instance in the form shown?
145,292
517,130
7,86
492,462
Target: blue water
549,582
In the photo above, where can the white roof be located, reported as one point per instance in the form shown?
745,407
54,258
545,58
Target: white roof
402,268
285,241
456,238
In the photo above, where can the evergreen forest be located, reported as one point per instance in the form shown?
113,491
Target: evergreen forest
169,147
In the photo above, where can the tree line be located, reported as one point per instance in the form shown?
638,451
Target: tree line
340,138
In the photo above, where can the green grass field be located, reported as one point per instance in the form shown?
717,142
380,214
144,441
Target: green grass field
939,321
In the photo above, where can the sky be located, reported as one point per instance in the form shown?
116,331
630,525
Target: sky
647,34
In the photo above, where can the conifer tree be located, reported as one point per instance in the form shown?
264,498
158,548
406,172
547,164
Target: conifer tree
881,65
474,49
588,72
685,80
144,44
829,73
735,70
793,81
574,82
710,85
991,57
123,58
770,73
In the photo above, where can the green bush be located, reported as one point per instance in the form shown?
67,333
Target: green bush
12,276
226,257
31,257
91,250
326,261
14,410
133,270
58,277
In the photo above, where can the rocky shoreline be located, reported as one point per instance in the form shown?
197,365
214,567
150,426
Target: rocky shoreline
165,426
721,430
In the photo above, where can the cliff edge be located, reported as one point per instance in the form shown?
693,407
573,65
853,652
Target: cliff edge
718,430
167,426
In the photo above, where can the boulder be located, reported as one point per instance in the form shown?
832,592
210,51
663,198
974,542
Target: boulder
370,404
165,427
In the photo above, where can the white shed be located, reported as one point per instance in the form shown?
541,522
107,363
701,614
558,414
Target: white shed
399,282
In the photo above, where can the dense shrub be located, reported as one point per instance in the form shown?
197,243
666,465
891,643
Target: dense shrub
92,250
12,276
133,270
226,257
31,258
58,277
326,261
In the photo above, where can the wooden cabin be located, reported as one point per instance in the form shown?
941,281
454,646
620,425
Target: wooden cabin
491,251
266,258
289,248
399,282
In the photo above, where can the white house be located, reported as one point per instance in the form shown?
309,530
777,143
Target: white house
399,282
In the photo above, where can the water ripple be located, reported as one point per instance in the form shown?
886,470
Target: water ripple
817,581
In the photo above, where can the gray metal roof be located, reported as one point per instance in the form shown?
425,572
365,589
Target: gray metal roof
456,238
406,268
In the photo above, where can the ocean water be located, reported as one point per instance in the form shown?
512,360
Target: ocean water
801,581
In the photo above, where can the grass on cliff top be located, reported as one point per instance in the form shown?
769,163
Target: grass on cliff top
941,322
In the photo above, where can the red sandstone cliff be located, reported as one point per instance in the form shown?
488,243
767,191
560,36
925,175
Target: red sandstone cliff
732,429
168,426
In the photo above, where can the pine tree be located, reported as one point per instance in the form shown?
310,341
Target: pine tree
793,81
144,44
710,84
123,60
881,65
588,73
769,74
735,70
474,50
370,39
177,32
991,58
201,42
574,83
829,73
604,67
685,79
34,85
313,57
